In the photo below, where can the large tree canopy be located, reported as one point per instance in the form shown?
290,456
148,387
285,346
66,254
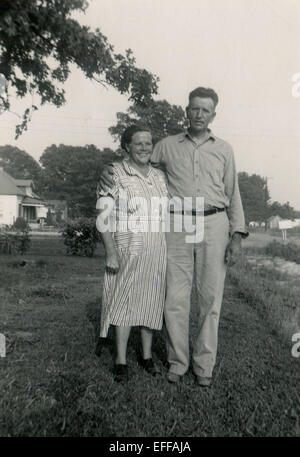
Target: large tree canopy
255,197
256,200
71,173
283,210
162,118
39,40
19,164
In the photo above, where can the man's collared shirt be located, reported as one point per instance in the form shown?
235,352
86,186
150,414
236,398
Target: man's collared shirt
202,169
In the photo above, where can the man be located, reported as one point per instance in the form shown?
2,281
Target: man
198,164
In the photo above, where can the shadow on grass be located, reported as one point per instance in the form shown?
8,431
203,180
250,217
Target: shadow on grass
72,413
93,312
57,423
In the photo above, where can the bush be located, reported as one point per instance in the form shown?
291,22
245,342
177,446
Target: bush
49,218
81,236
14,243
23,242
288,251
21,225
15,239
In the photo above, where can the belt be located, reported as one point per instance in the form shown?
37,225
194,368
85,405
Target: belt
208,212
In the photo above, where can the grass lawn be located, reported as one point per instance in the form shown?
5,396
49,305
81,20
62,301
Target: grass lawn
52,384
260,238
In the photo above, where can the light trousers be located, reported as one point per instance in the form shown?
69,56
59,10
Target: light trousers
205,260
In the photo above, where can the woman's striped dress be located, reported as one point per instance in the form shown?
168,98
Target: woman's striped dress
135,296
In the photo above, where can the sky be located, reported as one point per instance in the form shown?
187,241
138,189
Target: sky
246,50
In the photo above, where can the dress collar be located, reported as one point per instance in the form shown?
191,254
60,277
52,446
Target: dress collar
132,171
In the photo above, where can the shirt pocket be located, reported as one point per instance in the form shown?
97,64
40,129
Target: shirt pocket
131,186
133,195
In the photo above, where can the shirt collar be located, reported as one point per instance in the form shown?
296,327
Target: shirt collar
186,134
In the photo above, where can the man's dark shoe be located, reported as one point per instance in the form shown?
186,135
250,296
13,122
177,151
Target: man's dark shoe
120,372
203,381
149,366
173,378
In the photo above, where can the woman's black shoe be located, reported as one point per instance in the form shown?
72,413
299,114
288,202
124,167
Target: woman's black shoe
149,366
120,372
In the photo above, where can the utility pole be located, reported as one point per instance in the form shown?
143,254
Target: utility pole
266,199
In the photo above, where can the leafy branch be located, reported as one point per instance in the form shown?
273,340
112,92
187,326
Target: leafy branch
39,41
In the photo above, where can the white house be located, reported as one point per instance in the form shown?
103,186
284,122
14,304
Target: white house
295,223
273,222
276,222
254,224
18,199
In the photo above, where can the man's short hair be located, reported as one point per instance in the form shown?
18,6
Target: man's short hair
130,131
204,92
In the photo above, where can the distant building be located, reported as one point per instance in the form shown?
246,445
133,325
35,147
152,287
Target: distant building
273,222
254,224
17,199
295,222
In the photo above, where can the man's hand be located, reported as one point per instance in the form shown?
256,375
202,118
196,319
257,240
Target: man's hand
106,180
112,263
234,250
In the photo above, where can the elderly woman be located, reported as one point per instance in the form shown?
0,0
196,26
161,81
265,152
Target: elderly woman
134,281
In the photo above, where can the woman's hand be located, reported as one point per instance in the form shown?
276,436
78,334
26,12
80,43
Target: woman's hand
112,263
106,179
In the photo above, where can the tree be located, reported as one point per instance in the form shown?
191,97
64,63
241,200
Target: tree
71,173
255,197
39,40
283,210
162,118
49,218
20,165
256,200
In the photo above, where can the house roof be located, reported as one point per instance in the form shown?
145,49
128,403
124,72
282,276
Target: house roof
29,201
24,182
8,185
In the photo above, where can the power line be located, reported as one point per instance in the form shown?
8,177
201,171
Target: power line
81,117
83,126
66,131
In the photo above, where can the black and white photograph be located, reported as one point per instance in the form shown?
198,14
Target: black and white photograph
150,222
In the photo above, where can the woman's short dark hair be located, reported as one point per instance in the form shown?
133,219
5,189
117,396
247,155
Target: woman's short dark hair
130,131
204,92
